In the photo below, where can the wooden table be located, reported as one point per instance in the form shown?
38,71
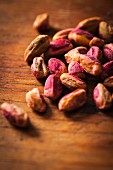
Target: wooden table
55,140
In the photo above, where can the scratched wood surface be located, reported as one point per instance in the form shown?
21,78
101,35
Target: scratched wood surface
55,140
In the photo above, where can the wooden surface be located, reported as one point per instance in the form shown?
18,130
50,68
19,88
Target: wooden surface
55,140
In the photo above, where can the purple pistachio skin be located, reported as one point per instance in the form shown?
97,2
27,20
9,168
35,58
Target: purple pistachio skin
73,100
58,47
56,66
108,51
83,32
80,37
107,70
95,52
15,115
76,69
102,97
53,87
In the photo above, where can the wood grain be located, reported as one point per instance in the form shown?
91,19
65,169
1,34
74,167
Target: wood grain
55,140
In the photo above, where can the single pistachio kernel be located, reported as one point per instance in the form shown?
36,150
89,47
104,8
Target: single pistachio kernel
80,37
106,31
73,100
97,42
107,70
74,54
41,22
53,87
35,100
76,69
90,24
102,97
58,47
90,64
38,46
56,66
15,115
62,34
39,68
95,52
72,82
108,51
108,82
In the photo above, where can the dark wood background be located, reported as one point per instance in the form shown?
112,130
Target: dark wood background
55,140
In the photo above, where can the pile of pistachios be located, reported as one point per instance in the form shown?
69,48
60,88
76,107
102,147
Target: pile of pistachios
64,62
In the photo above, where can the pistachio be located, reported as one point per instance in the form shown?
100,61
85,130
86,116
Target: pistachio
41,22
72,82
90,64
73,100
53,87
35,100
108,82
90,24
76,69
102,97
56,66
95,52
58,47
74,54
38,46
107,70
96,42
39,68
15,115
80,37
62,34
106,31
108,51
